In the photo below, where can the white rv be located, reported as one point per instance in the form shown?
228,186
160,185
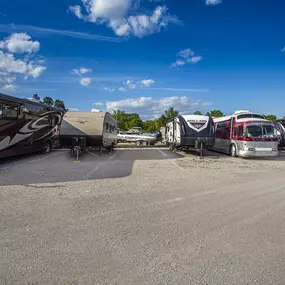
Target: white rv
81,130
190,132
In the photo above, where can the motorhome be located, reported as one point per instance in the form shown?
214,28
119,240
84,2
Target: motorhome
190,132
82,130
246,134
280,126
27,126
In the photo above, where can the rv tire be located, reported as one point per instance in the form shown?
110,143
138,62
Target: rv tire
233,150
47,147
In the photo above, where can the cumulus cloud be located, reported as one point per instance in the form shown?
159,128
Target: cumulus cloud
149,107
213,2
186,56
20,43
80,71
86,81
122,16
147,82
12,67
186,53
130,84
283,50
122,89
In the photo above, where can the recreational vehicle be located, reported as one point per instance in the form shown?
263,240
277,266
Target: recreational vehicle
280,126
246,134
27,126
81,130
190,132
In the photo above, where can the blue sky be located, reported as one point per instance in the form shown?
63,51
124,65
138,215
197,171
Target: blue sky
144,56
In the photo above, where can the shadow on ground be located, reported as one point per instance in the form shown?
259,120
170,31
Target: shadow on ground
59,166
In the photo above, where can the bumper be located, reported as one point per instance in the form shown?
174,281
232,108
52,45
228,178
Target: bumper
247,153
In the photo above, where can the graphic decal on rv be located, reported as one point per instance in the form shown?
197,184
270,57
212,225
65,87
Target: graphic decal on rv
27,131
197,125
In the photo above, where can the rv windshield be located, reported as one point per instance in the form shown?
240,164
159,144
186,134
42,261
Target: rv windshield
261,131
8,112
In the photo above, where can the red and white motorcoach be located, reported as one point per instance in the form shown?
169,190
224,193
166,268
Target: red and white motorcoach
246,134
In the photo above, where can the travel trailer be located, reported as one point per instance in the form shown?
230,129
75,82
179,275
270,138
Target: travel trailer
280,126
190,132
27,126
246,134
82,130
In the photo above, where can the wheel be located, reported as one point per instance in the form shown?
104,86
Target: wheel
144,143
138,143
47,147
233,151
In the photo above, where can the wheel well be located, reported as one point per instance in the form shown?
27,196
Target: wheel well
49,142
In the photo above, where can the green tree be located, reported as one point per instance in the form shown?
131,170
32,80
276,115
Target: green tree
48,101
168,115
271,117
215,113
59,103
121,118
36,97
198,113
133,120
151,126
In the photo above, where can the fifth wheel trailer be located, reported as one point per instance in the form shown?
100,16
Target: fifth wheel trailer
190,132
82,130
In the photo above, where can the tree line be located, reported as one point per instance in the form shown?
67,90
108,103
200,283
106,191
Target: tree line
127,121
50,102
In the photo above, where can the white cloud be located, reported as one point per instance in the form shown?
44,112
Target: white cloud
20,43
194,59
84,70
80,71
283,50
46,31
10,87
151,108
108,89
178,62
122,89
85,81
186,53
147,82
213,2
130,84
122,16
186,56
11,67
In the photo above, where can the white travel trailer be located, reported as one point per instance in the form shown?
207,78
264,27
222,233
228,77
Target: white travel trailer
190,132
81,130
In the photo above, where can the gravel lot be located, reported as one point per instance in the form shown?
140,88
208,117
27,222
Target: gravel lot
142,217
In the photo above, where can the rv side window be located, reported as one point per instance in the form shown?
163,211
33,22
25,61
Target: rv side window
107,126
9,112
221,125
